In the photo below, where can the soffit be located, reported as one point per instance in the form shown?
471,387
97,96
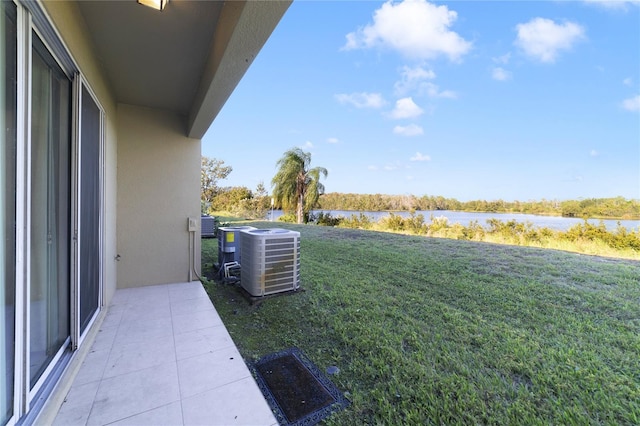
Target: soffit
151,58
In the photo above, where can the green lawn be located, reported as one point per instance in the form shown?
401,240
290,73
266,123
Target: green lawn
438,331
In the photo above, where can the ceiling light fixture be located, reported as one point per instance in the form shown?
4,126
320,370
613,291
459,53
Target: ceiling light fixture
155,4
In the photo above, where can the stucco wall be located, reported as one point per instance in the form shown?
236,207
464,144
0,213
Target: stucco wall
151,176
70,24
158,190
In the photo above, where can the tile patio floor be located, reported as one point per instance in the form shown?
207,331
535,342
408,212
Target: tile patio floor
164,357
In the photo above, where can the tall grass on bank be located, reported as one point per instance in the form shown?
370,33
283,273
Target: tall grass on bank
584,238
443,331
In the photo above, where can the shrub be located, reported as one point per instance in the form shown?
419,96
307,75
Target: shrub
620,239
393,222
288,218
415,224
325,219
249,208
626,239
361,221
474,231
438,223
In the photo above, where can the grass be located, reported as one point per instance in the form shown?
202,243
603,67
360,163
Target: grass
438,331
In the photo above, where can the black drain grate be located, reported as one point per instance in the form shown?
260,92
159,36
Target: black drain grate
296,389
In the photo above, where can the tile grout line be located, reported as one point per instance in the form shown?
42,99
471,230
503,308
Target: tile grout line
167,289
175,354
107,362
221,386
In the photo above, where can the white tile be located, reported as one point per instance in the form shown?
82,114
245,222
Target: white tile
104,339
130,394
186,292
119,304
132,357
181,307
148,296
92,367
77,405
146,301
150,312
195,321
238,403
202,341
141,331
131,375
209,371
167,415
189,284
150,289
120,297
112,319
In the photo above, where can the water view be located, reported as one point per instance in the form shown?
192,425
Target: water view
557,223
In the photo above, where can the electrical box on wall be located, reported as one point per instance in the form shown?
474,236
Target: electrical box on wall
192,224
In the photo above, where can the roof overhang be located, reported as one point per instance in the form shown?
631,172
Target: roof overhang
187,59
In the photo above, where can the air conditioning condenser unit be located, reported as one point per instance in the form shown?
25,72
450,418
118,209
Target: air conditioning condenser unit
229,249
270,261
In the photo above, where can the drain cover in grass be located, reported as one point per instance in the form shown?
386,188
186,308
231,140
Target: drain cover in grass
296,389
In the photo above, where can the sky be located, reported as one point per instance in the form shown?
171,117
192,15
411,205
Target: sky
511,100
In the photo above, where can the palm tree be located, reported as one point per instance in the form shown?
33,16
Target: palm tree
297,185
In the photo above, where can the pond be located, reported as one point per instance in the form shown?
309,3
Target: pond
557,223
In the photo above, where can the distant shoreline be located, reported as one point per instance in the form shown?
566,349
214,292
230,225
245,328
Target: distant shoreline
614,208
492,212
466,218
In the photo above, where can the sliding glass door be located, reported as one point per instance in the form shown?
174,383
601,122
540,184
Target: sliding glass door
8,146
90,205
51,203
49,309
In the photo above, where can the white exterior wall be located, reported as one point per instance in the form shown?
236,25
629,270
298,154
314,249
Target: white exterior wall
152,176
158,190
151,170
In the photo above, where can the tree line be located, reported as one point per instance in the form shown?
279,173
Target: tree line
297,190
617,207
238,200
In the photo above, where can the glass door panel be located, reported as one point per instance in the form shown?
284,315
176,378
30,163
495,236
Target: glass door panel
90,204
8,146
49,322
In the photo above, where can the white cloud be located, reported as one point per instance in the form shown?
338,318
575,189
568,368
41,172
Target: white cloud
411,79
500,74
504,59
628,81
614,4
410,130
415,28
594,153
332,140
361,100
417,73
416,80
543,39
406,108
390,167
372,167
420,157
434,91
632,104
307,145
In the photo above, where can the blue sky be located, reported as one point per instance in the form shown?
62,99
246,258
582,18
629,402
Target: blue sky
465,99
